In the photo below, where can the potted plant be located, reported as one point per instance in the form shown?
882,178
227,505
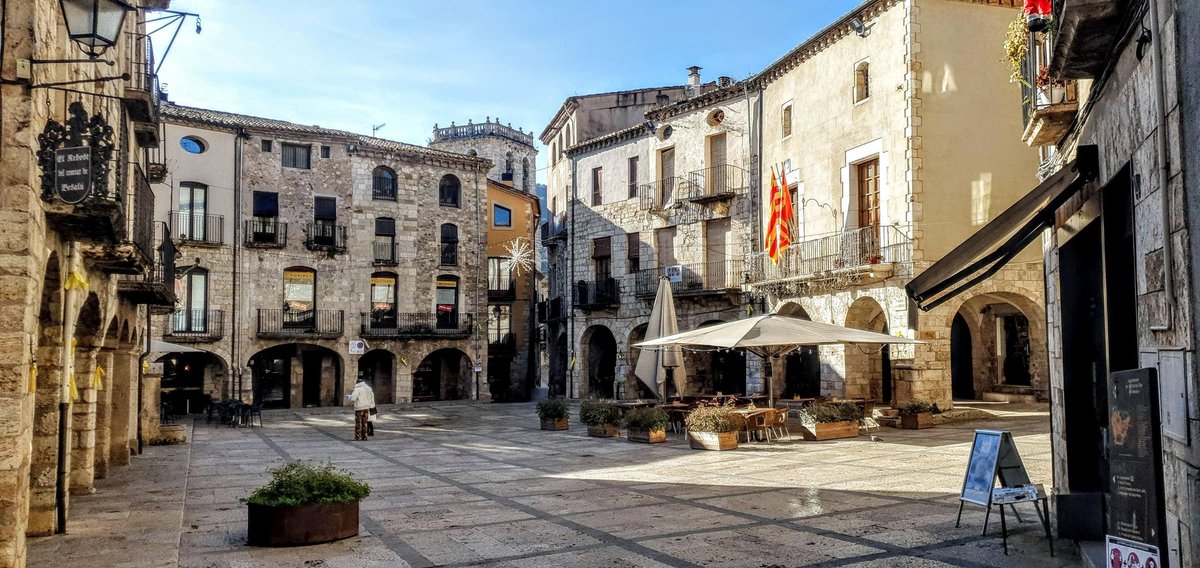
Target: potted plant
1050,90
646,425
917,414
712,428
553,412
830,420
601,417
304,503
1016,46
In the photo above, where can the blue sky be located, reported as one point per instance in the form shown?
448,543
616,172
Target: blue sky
352,64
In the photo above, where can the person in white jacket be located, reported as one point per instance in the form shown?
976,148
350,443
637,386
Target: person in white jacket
364,400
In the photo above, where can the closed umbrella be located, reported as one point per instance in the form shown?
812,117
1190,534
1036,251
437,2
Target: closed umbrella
655,366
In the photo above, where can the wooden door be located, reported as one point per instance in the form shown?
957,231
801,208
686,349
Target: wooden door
667,182
716,254
715,177
868,211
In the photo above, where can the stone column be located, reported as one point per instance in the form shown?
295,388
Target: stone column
43,468
83,423
123,406
104,412
150,396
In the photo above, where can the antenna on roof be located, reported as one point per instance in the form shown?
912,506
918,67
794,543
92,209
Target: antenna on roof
376,128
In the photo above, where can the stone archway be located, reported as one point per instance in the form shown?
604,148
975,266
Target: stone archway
445,374
715,371
998,347
47,394
802,367
598,359
378,368
296,375
868,367
191,381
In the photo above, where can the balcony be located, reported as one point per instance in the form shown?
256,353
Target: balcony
505,344
550,311
1086,32
155,159
449,325
502,292
155,288
1049,104
141,92
717,184
312,324
131,249
196,326
554,231
662,195
719,277
847,257
198,229
597,294
265,232
385,253
325,236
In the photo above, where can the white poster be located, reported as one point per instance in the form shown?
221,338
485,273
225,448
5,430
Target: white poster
1123,553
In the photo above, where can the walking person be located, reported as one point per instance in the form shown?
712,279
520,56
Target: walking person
364,400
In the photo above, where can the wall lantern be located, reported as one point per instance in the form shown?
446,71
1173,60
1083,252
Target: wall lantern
95,24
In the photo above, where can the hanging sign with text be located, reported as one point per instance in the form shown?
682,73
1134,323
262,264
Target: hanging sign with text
73,173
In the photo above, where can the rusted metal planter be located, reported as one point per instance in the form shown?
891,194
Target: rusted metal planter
918,421
713,440
647,436
554,424
829,430
604,431
299,525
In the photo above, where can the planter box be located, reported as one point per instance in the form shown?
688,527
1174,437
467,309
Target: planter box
647,436
713,440
829,430
918,421
297,525
554,424
604,431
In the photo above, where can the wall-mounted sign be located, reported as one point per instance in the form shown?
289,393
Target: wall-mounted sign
357,347
1135,500
674,273
73,173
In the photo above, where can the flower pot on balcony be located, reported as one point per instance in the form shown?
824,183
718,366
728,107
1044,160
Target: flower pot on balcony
817,431
554,424
1058,94
604,430
713,440
647,436
297,525
916,421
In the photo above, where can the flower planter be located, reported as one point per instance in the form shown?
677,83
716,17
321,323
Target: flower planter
917,421
298,525
713,440
604,431
647,436
554,424
829,430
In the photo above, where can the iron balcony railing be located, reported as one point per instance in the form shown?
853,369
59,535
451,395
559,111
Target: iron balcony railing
1048,103
386,254
501,291
717,182
845,250
198,228
550,311
715,277
142,93
196,325
383,324
600,293
142,233
326,235
505,343
662,194
327,324
554,230
265,232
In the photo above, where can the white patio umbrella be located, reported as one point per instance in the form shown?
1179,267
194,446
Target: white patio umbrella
772,336
654,366
157,346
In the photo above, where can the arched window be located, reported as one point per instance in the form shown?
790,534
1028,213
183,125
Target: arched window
383,184
786,121
553,152
447,302
526,180
299,297
192,293
449,244
472,153
508,163
448,191
862,82
383,300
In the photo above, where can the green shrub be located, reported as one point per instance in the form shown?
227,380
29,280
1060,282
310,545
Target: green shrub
303,483
712,419
553,409
647,419
917,407
831,412
596,412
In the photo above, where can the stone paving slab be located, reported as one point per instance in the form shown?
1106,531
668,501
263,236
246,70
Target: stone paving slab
480,485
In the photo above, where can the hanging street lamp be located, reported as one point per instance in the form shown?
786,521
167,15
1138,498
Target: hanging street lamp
95,24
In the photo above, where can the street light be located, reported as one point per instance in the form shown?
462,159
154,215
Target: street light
94,24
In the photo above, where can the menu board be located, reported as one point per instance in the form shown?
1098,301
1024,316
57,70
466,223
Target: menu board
1135,501
992,454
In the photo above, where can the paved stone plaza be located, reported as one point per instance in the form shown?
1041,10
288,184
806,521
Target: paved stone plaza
465,485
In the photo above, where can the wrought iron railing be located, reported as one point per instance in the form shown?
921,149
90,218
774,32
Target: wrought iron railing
844,250
198,228
598,293
1052,92
325,235
662,193
300,323
549,311
385,254
717,182
196,325
142,231
554,230
697,278
393,324
265,232
142,77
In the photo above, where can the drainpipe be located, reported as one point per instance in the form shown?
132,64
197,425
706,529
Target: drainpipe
235,365
480,299
67,364
571,291
1164,173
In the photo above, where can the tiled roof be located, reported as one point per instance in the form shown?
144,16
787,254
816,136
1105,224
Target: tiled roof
629,133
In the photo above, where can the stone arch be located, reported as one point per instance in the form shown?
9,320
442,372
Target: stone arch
378,368
801,368
444,374
713,371
998,345
597,362
868,367
88,325
48,384
295,375
191,381
792,309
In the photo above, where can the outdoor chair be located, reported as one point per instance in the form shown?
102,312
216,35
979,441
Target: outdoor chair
779,423
743,426
758,423
255,412
678,421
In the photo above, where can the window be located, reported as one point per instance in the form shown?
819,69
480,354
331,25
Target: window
448,191
385,241
634,254
666,247
192,291
193,145
264,228
299,296
666,166
602,257
295,156
383,300
500,324
633,176
597,186
868,193
447,302
383,184
786,119
266,145
501,216
526,179
499,274
193,206
449,245
324,152
508,164
324,227
862,82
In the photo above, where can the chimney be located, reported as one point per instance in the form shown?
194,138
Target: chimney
723,82
693,76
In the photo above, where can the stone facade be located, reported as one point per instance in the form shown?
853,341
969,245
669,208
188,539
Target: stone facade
511,151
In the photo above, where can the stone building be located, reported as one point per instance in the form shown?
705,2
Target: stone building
296,241
1115,122
511,150
77,144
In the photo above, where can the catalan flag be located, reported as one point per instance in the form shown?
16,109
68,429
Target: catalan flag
779,224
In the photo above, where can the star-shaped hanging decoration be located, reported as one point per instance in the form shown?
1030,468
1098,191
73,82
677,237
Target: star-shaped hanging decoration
520,256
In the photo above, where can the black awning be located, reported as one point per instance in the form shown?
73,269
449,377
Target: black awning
989,249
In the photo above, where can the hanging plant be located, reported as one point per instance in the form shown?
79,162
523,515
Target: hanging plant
1016,45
